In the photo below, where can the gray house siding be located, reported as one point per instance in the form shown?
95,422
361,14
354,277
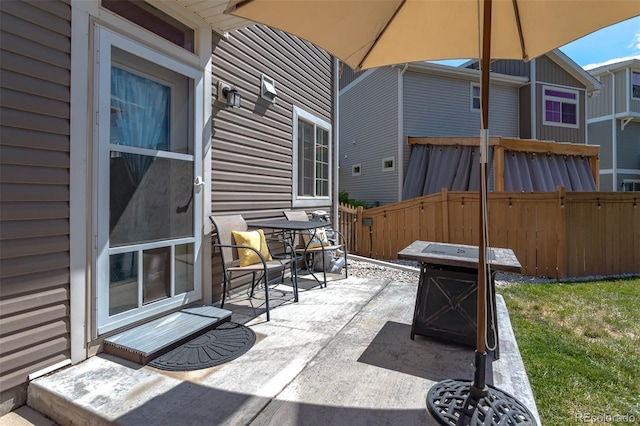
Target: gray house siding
347,75
622,94
550,72
511,67
252,147
600,134
35,44
441,106
600,104
369,133
606,182
628,141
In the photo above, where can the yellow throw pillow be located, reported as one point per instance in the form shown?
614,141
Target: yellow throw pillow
318,240
253,239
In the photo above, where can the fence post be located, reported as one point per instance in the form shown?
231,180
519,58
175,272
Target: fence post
445,215
561,234
358,230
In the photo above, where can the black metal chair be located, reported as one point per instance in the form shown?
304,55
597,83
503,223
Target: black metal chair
303,245
260,271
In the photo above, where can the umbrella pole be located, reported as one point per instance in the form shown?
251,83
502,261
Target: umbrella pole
458,402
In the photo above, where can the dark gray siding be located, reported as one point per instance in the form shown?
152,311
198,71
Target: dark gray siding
369,133
628,143
511,67
252,149
550,72
560,134
599,104
600,134
35,49
252,146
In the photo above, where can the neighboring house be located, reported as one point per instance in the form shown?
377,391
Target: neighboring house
613,120
116,147
543,99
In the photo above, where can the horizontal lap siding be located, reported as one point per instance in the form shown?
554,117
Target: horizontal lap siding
252,146
369,133
35,44
251,155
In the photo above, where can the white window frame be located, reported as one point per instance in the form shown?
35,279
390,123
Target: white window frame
633,183
575,102
389,169
472,97
357,172
302,200
637,98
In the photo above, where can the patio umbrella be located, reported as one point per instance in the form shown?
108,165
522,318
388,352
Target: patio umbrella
373,33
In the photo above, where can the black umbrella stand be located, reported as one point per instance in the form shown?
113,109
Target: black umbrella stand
460,402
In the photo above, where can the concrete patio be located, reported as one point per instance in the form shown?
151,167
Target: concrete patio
342,356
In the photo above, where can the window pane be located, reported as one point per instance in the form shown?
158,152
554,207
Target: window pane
151,198
184,268
559,94
123,282
552,111
569,113
306,145
140,111
152,19
156,281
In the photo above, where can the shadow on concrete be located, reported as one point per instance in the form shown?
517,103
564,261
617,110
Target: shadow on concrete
427,358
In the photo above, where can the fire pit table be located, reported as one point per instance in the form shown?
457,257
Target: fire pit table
446,303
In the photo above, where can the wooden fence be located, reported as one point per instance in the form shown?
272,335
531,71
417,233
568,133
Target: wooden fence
349,222
553,234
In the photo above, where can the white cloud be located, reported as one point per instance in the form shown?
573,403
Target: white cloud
611,61
635,43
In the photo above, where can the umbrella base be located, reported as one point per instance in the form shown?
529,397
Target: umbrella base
451,403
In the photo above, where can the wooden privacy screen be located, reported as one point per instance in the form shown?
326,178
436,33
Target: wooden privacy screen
553,234
500,145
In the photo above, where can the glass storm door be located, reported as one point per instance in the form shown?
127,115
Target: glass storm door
149,212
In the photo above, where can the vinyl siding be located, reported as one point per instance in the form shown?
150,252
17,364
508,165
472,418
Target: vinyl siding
600,104
347,75
252,149
606,182
252,146
622,94
628,144
556,133
369,133
600,134
550,72
511,67
441,106
35,44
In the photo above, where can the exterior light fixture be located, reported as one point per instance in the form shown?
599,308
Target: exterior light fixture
229,95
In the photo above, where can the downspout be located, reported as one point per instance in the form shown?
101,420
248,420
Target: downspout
534,100
400,161
336,135
614,142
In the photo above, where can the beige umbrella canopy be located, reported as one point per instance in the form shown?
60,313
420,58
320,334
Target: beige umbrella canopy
368,34
373,33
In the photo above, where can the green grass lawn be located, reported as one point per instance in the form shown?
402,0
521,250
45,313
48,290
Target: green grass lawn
580,343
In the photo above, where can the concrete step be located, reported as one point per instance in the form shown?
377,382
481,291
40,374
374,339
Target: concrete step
145,342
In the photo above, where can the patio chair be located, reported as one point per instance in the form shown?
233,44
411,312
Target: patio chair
314,243
248,252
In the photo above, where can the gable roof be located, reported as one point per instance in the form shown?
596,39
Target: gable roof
633,63
567,64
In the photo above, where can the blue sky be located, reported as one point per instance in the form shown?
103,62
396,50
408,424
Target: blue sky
606,45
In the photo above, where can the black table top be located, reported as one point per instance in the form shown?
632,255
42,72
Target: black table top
291,225
460,255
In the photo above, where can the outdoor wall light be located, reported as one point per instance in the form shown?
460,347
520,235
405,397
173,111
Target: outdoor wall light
268,89
229,95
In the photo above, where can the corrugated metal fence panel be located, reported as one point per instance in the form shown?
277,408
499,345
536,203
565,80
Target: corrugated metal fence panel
35,44
252,146
369,133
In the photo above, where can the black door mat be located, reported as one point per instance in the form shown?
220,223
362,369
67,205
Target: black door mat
222,344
